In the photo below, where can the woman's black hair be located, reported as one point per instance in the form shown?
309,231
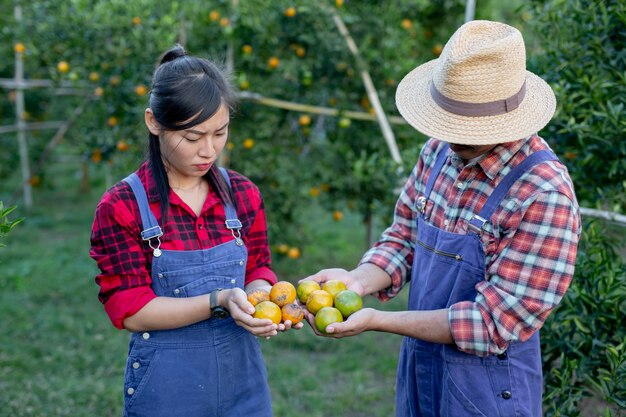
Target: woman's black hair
186,91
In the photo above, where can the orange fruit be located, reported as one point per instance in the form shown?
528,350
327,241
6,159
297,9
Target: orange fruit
214,15
348,302
268,310
292,312
136,20
273,62
334,287
112,121
305,288
63,67
257,296
406,24
293,253
247,49
19,48
338,3
290,11
248,143
344,122
314,192
326,316
122,146
317,300
283,248
224,22
437,49
304,120
283,292
337,215
141,90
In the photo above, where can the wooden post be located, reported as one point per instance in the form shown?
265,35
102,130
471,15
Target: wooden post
21,124
470,10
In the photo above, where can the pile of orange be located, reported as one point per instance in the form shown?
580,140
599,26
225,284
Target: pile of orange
331,303
278,304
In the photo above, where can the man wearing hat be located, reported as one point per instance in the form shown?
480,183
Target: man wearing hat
485,230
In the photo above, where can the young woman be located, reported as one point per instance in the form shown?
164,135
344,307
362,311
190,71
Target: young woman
177,242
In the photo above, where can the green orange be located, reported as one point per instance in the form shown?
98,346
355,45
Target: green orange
348,302
326,316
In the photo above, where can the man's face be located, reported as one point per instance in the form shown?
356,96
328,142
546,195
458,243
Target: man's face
468,152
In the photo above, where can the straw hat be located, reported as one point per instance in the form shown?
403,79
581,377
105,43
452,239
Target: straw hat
478,91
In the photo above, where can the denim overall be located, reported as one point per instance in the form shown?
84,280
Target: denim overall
436,380
210,368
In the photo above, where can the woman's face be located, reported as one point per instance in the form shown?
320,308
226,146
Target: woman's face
189,153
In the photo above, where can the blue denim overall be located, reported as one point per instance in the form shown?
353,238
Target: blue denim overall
211,368
436,380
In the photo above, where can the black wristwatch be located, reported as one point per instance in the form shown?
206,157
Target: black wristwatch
217,311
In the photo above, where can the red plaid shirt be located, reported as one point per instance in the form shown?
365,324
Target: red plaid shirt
530,249
125,260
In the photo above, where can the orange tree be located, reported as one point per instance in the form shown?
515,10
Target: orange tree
290,50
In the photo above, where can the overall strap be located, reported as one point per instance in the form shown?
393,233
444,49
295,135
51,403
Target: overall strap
477,222
434,173
232,221
151,228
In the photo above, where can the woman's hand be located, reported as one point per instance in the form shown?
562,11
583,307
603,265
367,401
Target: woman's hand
236,302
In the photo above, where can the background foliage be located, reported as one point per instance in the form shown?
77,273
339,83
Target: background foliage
315,169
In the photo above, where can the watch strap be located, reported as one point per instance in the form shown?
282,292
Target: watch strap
213,298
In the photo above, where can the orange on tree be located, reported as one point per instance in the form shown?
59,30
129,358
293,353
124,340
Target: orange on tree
317,300
115,80
214,15
268,310
406,24
326,316
141,90
136,20
338,3
94,76
257,295
304,120
63,67
314,192
290,11
292,312
248,143
283,248
334,287
224,22
112,121
19,48
293,253
246,49
300,52
273,62
337,215
348,302
305,288
98,91
122,145
437,49
283,292
344,122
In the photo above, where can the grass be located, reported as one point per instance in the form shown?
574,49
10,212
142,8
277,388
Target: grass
60,356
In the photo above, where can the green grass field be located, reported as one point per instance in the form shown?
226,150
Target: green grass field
60,356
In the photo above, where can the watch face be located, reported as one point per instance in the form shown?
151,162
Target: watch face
219,313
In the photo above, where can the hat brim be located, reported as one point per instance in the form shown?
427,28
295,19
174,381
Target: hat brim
418,108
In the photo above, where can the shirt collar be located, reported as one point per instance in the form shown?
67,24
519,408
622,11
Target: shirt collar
493,161
146,175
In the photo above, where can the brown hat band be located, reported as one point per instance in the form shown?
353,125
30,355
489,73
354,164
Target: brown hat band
492,108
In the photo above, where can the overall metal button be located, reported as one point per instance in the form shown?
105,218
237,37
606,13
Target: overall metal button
501,356
146,335
232,281
176,291
506,395
136,365
240,262
130,391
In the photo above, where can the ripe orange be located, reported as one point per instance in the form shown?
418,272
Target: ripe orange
248,143
314,192
292,312
98,91
136,20
268,310
337,215
141,90
273,62
19,48
283,292
326,316
437,49
293,253
348,302
63,67
300,52
257,296
94,76
122,145
305,288
334,287
406,24
304,120
246,49
115,80
283,248
338,3
214,15
112,121
224,22
290,11
317,300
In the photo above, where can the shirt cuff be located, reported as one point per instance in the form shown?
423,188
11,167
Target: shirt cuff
126,303
469,330
392,266
263,272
